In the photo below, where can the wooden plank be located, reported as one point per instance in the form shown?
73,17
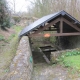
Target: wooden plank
56,34
45,57
72,25
51,30
47,48
48,25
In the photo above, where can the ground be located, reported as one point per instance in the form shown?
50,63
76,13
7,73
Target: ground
44,71
5,35
8,46
53,72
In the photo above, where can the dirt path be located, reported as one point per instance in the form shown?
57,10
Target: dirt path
43,71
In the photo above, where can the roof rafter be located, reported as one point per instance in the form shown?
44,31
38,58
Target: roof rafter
72,25
44,27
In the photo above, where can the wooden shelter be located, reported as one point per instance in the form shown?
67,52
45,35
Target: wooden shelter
62,25
61,22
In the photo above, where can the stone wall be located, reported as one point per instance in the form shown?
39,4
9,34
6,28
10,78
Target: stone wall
56,54
22,66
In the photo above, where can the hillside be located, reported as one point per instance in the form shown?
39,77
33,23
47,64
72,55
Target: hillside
8,46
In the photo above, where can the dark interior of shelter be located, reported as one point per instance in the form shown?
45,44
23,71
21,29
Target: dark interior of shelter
61,43
67,42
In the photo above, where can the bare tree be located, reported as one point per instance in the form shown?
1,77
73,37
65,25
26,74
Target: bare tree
44,7
14,3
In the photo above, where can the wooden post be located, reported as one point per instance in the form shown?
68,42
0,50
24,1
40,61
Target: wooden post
61,25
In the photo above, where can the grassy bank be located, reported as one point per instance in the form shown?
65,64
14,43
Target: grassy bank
9,51
71,59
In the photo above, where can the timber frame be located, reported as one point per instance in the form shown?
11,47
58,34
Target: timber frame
61,20
61,24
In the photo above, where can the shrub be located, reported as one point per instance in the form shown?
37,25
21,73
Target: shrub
1,38
71,59
4,15
16,19
52,39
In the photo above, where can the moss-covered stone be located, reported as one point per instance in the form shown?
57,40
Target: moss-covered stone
21,67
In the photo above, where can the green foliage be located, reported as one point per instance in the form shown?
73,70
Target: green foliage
52,39
45,39
11,37
16,19
1,38
72,53
71,59
9,52
17,28
7,55
4,15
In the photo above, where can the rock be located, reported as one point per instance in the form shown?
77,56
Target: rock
54,56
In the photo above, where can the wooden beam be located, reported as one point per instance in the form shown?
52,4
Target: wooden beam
44,56
51,30
61,25
44,27
56,34
72,25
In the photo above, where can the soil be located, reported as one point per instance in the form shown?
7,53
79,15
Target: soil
6,35
4,48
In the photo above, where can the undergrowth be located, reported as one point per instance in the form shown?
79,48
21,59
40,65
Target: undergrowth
2,38
9,52
71,59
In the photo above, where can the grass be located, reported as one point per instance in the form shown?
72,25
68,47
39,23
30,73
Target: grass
17,28
7,55
71,59
11,37
9,52
2,37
